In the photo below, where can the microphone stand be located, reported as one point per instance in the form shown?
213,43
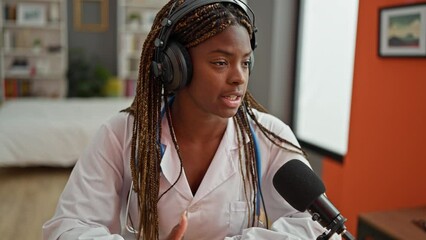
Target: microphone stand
329,217
346,235
336,226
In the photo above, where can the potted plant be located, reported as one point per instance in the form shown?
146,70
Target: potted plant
37,45
134,20
86,78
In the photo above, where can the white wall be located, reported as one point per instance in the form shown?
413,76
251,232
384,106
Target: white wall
273,76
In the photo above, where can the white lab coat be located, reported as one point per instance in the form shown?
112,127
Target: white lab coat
93,204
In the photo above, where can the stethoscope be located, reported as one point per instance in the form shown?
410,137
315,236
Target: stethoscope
132,230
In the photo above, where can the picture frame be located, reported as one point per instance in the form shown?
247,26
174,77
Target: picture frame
91,15
31,14
402,31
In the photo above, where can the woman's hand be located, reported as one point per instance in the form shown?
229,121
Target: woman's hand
179,230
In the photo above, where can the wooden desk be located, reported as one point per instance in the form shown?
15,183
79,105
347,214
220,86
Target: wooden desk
392,225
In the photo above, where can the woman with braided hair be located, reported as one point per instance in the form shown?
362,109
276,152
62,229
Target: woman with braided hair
194,155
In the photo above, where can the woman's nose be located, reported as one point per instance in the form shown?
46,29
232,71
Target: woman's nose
238,75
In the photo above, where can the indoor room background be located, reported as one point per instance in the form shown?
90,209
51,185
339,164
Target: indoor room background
382,165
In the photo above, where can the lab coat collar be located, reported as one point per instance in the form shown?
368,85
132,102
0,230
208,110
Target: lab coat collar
223,166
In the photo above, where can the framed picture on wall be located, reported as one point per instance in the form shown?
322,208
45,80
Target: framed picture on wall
31,14
91,15
402,31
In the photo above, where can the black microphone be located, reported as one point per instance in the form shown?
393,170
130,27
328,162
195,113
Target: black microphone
304,190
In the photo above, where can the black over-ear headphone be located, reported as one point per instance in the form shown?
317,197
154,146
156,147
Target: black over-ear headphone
172,63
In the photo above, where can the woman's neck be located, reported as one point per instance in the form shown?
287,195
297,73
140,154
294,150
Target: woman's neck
192,125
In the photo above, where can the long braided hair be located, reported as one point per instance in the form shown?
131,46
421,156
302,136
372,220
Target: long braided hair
193,29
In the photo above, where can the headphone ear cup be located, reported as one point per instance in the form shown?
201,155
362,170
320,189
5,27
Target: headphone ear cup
251,62
177,67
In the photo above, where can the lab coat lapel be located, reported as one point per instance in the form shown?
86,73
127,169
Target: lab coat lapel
223,166
170,164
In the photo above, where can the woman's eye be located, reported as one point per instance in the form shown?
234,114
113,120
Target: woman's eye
247,63
219,63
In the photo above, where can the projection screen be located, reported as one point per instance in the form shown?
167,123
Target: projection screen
324,72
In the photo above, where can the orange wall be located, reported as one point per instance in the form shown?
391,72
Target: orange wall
385,167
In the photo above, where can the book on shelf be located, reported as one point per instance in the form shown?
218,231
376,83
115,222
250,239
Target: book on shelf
11,88
10,11
17,88
24,88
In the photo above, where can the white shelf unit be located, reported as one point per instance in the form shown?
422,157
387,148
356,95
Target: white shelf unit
33,49
134,21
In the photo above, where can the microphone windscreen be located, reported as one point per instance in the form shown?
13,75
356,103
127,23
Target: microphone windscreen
298,184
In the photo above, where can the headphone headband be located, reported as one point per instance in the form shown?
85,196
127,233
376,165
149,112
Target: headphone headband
169,22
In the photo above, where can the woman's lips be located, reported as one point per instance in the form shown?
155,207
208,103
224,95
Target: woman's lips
232,101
